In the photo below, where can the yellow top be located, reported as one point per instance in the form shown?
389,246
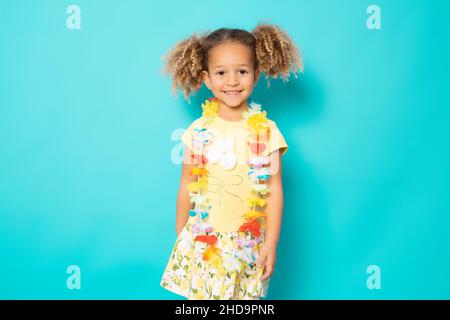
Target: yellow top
228,184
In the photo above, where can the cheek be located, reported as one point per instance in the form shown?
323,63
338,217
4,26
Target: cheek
216,83
248,82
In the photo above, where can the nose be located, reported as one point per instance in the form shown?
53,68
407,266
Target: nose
232,80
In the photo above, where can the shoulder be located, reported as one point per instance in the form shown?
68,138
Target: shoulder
276,139
196,123
272,124
275,131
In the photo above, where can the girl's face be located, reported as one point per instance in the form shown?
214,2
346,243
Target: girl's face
231,75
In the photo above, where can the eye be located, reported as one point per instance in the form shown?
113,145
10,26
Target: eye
220,73
243,71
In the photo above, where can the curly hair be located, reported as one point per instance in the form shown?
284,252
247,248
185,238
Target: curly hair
273,53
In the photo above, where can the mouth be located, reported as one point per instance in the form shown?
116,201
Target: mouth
232,93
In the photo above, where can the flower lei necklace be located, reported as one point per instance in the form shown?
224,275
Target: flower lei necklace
259,132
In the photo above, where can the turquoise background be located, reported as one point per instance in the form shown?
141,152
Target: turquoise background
89,132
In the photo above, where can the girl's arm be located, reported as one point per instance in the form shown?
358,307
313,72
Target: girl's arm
183,201
274,213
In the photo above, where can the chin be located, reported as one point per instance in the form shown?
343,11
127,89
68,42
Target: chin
233,101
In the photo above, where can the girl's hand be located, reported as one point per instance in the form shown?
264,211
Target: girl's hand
267,259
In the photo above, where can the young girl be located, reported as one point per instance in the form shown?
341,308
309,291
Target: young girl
230,200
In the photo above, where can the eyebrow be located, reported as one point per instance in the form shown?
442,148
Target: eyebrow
240,65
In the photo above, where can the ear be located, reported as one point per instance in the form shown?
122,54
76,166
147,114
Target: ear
206,80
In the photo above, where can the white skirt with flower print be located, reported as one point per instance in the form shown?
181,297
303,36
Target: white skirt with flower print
188,275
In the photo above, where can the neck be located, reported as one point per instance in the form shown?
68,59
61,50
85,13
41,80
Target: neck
232,113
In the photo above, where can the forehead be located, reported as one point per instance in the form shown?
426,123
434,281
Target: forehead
229,54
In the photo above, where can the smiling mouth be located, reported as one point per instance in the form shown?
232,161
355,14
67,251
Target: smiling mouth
232,92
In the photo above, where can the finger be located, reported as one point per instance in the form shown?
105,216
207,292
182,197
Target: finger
262,259
267,273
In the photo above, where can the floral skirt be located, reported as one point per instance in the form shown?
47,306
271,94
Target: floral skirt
188,275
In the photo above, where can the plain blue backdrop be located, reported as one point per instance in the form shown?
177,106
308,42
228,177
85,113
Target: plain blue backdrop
89,146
